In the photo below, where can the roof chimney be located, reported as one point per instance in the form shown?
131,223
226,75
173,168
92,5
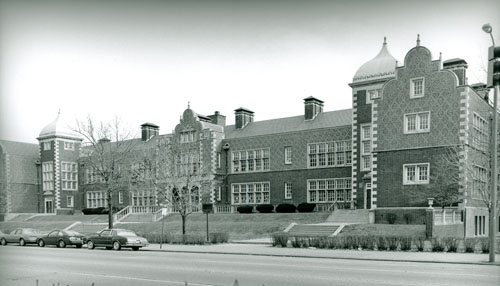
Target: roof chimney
218,119
243,117
459,67
312,107
149,130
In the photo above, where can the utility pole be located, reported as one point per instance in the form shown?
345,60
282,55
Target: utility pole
493,81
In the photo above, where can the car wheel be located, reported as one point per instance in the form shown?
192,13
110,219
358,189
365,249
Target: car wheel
135,248
41,243
22,242
3,241
78,246
61,244
90,244
116,245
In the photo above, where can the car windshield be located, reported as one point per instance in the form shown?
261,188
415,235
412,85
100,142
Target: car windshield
31,231
125,233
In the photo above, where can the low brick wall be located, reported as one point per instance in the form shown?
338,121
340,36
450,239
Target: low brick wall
403,215
449,230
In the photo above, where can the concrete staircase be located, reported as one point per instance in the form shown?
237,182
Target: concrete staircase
321,229
360,216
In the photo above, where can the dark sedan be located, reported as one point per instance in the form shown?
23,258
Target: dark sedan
61,238
116,239
22,236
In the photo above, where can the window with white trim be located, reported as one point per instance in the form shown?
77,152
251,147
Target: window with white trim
366,147
288,155
70,201
69,176
329,154
46,146
246,161
251,193
417,87
143,198
417,122
375,93
479,225
288,191
48,176
415,174
188,136
329,190
479,181
93,176
480,129
218,193
97,199
120,197
69,145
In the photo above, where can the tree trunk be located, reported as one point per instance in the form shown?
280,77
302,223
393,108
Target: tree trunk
110,212
183,216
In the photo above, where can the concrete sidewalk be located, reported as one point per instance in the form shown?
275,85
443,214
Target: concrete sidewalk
268,250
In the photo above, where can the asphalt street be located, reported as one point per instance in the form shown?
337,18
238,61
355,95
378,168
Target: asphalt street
53,266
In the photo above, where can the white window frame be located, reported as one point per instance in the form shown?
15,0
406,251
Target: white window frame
46,146
412,87
288,155
417,180
288,191
375,93
48,176
97,199
366,155
418,116
69,145
218,193
255,192
120,197
327,154
479,180
329,190
69,178
70,201
251,161
480,132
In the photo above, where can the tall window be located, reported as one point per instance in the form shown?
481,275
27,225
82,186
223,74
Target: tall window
187,164
69,145
417,122
70,201
69,176
479,180
46,146
188,136
329,154
251,193
97,199
218,193
416,174
143,198
480,138
288,155
120,197
329,190
480,225
92,176
288,191
366,147
417,87
250,160
48,176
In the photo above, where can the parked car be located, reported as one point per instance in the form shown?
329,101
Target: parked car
22,236
116,239
61,238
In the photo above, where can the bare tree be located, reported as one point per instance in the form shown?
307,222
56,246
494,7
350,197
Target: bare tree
105,152
174,171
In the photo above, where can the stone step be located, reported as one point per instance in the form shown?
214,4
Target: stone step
313,230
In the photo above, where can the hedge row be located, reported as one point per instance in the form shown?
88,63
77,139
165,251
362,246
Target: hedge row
281,208
391,243
99,211
199,239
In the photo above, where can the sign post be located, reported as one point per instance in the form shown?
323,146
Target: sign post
208,208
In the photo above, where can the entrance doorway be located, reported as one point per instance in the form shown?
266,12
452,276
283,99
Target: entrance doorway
49,207
368,196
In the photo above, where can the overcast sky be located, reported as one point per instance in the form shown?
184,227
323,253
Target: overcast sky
145,60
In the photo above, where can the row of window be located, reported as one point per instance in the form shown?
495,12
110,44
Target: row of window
329,190
250,160
69,176
417,89
251,193
47,145
329,154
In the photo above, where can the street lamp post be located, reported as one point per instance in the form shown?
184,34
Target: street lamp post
492,82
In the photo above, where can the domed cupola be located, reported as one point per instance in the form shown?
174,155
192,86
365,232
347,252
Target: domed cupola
58,128
381,67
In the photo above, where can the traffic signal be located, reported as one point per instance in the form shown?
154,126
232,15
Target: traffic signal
493,66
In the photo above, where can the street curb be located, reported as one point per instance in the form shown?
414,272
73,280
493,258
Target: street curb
323,257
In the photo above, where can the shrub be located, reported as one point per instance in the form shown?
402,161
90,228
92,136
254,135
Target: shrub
306,207
280,239
469,244
391,218
266,208
381,242
392,242
450,243
350,242
95,211
419,243
485,244
365,242
405,243
219,237
285,208
408,218
246,209
437,245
